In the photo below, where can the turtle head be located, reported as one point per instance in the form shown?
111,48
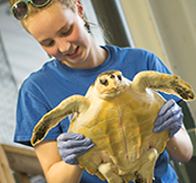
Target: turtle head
110,84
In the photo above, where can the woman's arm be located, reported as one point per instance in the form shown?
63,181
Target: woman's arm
170,117
55,169
180,147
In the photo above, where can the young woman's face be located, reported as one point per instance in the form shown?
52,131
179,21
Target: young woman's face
61,33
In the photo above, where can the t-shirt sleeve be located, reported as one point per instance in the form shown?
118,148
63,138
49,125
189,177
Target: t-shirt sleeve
154,63
30,109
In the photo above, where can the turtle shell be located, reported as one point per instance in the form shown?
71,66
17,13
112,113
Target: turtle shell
121,129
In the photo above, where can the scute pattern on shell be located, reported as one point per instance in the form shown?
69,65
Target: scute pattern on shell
118,115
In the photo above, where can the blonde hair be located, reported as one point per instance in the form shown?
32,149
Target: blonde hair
32,10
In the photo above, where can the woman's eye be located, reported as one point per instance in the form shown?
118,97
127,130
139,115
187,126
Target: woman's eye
66,33
48,43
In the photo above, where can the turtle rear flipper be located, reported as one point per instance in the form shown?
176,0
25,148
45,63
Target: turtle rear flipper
76,103
167,83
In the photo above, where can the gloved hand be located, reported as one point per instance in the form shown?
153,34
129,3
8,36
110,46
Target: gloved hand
72,145
170,117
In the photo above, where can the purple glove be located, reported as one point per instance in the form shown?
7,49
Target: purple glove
72,145
170,117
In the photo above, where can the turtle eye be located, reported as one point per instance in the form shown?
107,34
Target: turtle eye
119,77
112,76
104,82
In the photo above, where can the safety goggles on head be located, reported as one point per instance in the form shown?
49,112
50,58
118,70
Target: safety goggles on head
20,8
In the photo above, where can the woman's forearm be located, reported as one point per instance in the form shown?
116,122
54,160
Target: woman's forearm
61,172
55,169
180,147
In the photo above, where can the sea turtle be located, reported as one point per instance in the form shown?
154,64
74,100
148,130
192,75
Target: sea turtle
118,115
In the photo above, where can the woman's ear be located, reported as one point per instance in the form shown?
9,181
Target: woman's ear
79,8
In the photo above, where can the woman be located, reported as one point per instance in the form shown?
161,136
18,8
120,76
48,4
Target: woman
60,28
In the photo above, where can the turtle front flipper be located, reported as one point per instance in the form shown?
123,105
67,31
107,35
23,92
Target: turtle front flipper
167,83
75,103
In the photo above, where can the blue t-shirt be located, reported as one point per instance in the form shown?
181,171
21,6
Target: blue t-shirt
46,88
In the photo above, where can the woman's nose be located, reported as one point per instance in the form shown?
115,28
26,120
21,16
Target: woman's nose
64,46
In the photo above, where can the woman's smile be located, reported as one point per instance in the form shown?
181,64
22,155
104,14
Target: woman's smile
74,53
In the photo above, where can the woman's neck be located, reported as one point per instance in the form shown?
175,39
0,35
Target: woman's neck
100,55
